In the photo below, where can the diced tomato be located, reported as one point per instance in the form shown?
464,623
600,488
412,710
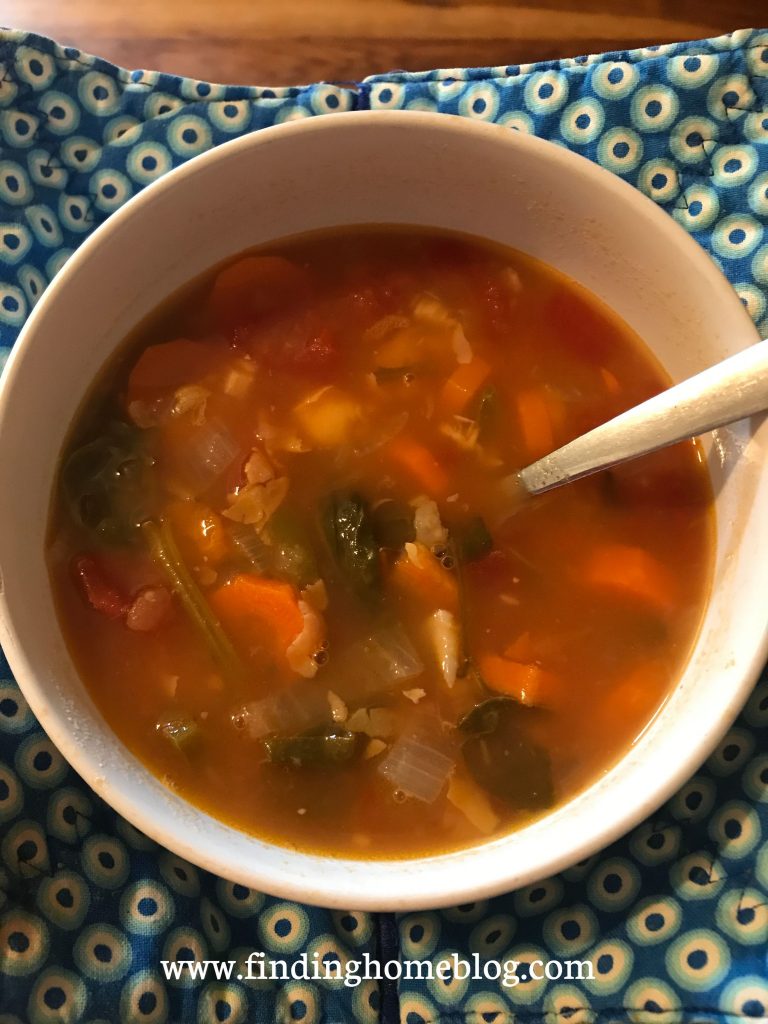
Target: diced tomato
100,593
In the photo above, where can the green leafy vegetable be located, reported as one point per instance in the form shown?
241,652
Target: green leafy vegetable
387,374
104,483
484,718
348,529
472,539
290,548
502,758
392,523
183,733
325,748
164,550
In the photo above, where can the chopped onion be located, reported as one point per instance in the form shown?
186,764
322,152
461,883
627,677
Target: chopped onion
417,766
379,723
446,641
372,666
212,450
191,398
378,664
250,545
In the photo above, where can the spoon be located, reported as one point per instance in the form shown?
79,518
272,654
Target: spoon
729,391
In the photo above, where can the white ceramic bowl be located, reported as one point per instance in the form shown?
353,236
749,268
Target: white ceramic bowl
407,168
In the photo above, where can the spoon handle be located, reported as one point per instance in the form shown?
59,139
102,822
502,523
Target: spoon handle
731,390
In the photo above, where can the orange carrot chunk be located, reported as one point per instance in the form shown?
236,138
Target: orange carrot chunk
199,532
259,612
420,464
419,573
463,384
170,365
632,572
529,684
252,286
534,411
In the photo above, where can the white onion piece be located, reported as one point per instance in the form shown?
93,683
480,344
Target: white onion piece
376,665
416,767
211,451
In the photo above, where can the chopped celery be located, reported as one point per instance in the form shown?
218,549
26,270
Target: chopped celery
165,552
183,733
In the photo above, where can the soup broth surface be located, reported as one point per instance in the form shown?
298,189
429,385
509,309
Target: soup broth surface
292,569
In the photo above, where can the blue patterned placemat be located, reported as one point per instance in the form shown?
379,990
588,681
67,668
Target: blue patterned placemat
674,917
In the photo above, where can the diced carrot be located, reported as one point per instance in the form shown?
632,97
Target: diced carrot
521,649
420,464
463,384
199,532
634,697
418,572
612,385
632,572
529,684
251,286
536,422
170,365
259,612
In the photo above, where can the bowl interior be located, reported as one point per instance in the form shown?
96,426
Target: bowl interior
382,168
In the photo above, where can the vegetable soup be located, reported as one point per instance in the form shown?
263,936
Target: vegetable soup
294,575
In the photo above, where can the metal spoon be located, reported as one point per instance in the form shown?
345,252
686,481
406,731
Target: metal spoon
729,391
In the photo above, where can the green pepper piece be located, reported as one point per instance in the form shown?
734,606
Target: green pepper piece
392,524
327,748
348,529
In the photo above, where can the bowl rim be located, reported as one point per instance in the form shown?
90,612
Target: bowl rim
420,892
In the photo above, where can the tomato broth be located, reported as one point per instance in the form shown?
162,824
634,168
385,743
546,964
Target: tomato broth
291,569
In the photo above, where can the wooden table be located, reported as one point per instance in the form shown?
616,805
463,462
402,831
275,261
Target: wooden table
279,42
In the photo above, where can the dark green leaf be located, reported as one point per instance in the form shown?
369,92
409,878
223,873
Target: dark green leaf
392,374
104,483
392,523
472,539
502,757
328,748
347,525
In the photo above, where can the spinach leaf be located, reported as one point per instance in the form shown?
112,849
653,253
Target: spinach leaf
472,539
104,484
502,758
486,411
348,529
325,748
392,523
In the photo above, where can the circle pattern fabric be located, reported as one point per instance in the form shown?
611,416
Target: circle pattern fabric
674,917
